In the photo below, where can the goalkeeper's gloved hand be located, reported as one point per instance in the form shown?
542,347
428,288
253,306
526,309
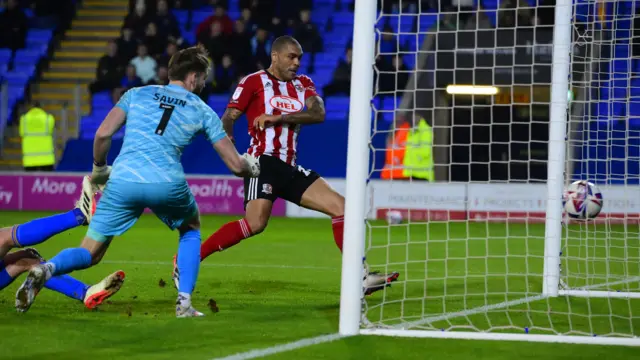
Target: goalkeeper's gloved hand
253,163
100,175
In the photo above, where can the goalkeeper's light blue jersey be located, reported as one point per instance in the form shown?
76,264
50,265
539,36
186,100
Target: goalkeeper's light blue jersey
161,121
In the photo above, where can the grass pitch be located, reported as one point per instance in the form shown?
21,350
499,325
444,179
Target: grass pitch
279,287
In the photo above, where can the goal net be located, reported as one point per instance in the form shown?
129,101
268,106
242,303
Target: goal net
485,250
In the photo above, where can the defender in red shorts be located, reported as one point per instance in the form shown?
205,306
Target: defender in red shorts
274,101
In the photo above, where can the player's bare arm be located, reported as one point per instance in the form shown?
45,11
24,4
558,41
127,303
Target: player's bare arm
102,141
228,119
314,114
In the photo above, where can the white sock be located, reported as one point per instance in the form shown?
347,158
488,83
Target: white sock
184,299
50,268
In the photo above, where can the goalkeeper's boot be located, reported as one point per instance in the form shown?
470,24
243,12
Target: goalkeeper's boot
374,281
87,201
184,309
103,290
32,285
175,276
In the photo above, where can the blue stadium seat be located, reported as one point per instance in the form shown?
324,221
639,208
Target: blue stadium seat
5,56
199,16
426,21
16,78
218,102
27,56
181,16
39,36
101,100
342,18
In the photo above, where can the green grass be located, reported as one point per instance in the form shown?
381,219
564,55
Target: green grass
284,285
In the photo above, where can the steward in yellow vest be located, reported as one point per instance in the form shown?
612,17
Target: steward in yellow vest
36,130
418,157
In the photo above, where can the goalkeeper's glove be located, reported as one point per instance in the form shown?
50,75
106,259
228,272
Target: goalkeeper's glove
100,175
253,165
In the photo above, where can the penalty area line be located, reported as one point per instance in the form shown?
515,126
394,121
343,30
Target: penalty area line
254,354
256,266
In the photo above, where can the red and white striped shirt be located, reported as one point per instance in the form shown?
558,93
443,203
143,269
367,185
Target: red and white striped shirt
262,93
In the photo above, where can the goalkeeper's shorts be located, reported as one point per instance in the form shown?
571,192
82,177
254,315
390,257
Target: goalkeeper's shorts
123,202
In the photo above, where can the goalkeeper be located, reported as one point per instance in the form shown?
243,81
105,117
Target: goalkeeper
39,230
161,121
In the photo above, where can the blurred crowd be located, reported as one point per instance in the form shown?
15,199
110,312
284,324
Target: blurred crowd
151,35
17,16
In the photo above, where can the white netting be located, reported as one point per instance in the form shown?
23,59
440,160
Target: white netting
471,245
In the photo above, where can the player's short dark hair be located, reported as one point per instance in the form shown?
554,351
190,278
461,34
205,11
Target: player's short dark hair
193,59
282,41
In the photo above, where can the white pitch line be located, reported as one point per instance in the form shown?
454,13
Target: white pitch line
469,312
253,354
256,266
613,283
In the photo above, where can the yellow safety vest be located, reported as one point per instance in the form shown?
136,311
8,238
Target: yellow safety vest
36,130
418,158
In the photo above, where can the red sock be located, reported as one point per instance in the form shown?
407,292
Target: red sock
337,223
227,236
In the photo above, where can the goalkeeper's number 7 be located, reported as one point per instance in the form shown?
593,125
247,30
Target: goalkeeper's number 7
164,121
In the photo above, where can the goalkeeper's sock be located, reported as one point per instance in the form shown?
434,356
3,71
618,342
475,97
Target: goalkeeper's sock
228,235
69,260
5,278
66,285
38,230
188,260
337,223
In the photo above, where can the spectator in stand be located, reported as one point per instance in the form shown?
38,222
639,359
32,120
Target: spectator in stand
127,46
220,16
290,10
144,64
246,17
131,78
13,26
225,74
308,36
129,81
156,44
341,80
109,71
393,76
162,78
261,49
388,44
263,11
166,22
241,49
279,27
172,48
138,20
215,42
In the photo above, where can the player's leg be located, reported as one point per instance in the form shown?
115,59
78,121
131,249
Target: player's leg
259,195
23,260
177,208
116,213
38,230
311,191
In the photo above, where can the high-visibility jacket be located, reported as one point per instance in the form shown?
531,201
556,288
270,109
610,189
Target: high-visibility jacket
36,130
418,158
394,157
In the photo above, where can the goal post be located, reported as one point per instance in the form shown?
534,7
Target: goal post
357,166
485,251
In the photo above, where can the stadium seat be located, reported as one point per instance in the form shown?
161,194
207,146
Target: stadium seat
182,16
14,77
27,56
5,56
